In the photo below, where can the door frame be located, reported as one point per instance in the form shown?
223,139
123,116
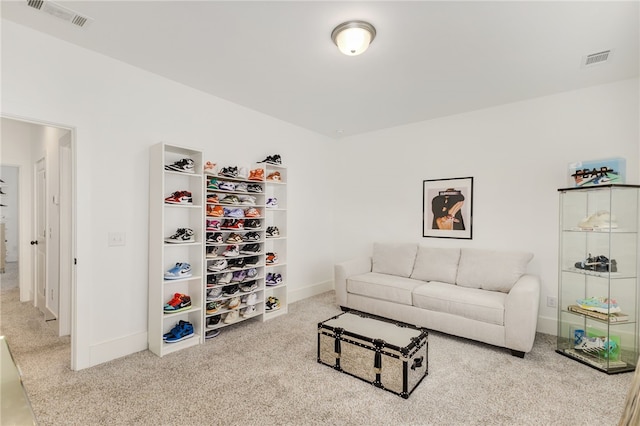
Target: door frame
26,230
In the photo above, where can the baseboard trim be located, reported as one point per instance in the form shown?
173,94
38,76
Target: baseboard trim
117,348
309,291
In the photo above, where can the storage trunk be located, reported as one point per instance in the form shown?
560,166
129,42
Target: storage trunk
388,354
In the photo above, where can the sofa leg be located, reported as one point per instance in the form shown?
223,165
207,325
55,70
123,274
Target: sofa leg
344,309
519,354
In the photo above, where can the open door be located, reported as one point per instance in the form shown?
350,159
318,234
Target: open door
40,241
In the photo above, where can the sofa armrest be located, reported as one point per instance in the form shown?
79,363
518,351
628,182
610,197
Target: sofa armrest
347,269
521,313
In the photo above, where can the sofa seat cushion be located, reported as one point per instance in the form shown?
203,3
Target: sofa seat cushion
471,303
383,286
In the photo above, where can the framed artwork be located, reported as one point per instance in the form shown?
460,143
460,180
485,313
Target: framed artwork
447,207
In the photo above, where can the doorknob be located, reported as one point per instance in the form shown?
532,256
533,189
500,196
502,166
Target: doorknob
34,243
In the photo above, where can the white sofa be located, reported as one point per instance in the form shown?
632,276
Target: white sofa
483,295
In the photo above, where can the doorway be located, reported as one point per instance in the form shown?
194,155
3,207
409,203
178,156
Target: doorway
44,155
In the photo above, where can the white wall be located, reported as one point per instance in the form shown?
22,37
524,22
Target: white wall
118,112
518,155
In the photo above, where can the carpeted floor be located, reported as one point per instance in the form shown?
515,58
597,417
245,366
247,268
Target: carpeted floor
257,373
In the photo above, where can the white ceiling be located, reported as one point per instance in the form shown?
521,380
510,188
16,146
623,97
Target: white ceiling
429,59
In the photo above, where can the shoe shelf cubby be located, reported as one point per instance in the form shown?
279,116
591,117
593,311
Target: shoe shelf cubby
598,295
176,240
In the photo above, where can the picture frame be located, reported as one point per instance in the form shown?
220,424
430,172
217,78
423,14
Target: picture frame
447,208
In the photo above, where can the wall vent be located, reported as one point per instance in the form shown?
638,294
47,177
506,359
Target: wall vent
60,12
596,58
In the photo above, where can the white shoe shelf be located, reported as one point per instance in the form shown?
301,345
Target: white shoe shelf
276,187
164,220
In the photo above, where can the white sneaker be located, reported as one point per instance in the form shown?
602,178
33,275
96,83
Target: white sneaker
248,311
234,302
252,299
218,265
231,317
231,251
225,278
599,220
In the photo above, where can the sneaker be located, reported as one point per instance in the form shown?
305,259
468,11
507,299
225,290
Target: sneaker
182,330
209,167
251,212
233,224
256,174
213,307
599,304
212,280
179,197
271,258
215,211
215,238
179,323
218,265
239,276
180,270
237,263
230,290
231,172
252,299
248,286
596,345
225,278
599,220
233,303
252,187
212,253
274,177
273,231
243,173
213,198
250,249
210,334
598,264
227,186
248,311
272,304
231,251
273,279
272,159
231,317
213,321
214,294
237,213
272,203
185,165
182,235
213,184
234,238
252,260
251,236
213,225
180,302
252,273
230,199
247,200
252,224
242,186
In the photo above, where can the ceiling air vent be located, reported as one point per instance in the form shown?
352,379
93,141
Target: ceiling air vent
60,12
596,58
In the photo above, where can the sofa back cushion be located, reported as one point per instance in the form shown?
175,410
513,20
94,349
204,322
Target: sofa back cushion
490,269
436,264
394,258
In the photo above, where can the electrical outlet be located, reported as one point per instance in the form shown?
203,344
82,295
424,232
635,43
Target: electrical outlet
116,239
552,302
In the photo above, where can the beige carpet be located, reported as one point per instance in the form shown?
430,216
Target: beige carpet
266,373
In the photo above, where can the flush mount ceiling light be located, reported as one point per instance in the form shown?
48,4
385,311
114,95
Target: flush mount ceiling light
353,37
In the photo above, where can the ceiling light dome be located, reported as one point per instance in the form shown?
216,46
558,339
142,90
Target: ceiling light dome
353,37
